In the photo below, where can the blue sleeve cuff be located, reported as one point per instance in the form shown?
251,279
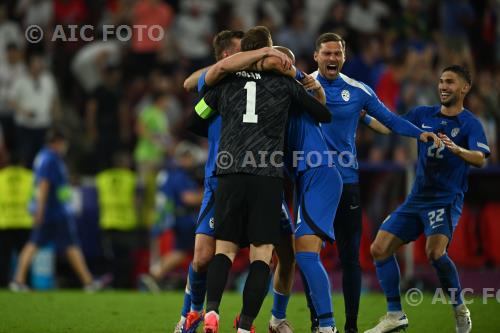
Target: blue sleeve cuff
299,75
367,119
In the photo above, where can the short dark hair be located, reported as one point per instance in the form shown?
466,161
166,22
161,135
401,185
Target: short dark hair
56,133
256,38
223,40
460,71
329,37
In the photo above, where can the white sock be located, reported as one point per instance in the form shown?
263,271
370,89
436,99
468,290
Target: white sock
326,330
397,314
183,320
275,321
240,330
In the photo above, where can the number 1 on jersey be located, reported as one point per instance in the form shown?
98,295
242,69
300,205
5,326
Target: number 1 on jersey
250,116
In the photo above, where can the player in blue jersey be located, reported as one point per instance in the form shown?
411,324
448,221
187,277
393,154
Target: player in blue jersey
53,219
435,203
177,199
346,98
226,43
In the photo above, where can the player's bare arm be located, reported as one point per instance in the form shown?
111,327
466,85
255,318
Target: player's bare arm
41,196
374,124
243,60
474,157
191,83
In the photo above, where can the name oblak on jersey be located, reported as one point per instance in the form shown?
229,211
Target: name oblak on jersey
251,75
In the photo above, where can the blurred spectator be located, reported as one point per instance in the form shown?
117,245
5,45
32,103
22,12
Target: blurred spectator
336,21
3,149
116,191
296,37
36,12
477,104
177,201
16,190
388,88
107,118
196,29
90,61
365,16
457,17
145,46
317,12
10,70
9,32
35,101
150,151
367,65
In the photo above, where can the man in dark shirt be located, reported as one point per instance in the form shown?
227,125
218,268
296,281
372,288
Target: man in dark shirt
254,110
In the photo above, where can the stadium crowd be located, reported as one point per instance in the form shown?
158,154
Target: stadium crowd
124,102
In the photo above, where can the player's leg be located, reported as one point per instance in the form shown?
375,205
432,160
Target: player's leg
204,250
282,282
40,235
308,248
439,229
263,231
397,229
23,264
283,275
319,195
218,271
348,236
230,202
256,285
77,262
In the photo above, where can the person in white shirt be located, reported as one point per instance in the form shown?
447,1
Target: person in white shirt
35,102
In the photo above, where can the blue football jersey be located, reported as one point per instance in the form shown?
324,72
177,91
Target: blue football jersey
214,128
346,98
49,165
171,185
442,175
305,145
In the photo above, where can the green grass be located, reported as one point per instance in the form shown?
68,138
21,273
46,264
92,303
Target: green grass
120,311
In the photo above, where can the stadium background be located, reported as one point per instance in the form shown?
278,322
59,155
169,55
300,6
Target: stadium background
396,47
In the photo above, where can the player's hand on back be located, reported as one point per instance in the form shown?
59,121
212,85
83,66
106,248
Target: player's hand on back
286,62
429,136
310,83
450,144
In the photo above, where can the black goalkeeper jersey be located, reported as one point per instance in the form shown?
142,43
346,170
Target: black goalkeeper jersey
254,109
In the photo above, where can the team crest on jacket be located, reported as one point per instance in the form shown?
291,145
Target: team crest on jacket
345,95
454,132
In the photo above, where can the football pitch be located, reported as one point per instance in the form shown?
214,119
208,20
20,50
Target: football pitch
122,311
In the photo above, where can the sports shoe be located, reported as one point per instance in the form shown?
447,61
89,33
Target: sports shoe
193,320
179,326
390,323
18,287
150,283
237,323
282,327
328,330
462,317
211,322
350,330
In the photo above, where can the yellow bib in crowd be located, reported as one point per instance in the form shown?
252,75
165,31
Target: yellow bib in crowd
16,191
116,193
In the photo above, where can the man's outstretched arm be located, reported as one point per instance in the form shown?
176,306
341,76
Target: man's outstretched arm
244,60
